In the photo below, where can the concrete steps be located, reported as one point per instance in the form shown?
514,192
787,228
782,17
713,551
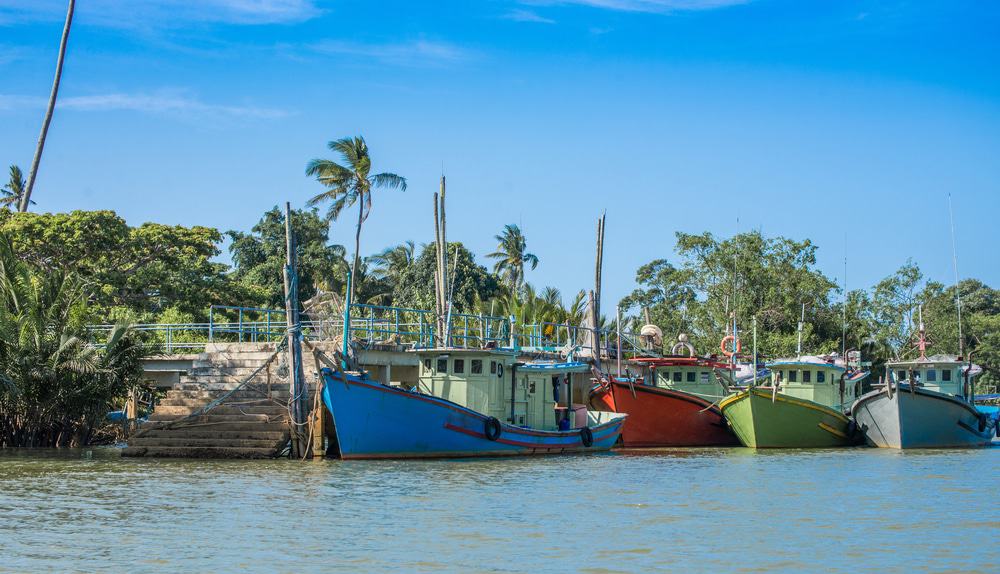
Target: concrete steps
199,452
251,422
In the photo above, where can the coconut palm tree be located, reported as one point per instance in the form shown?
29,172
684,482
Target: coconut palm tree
391,263
26,196
14,190
350,183
511,255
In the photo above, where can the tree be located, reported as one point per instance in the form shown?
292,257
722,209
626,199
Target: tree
746,276
259,257
470,282
14,190
26,197
511,255
55,387
349,184
393,262
145,269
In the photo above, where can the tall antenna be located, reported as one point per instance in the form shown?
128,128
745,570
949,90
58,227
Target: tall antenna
736,279
843,318
958,294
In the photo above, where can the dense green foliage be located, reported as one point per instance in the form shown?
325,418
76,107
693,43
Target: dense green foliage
135,272
55,388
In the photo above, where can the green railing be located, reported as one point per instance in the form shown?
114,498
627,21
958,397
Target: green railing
373,325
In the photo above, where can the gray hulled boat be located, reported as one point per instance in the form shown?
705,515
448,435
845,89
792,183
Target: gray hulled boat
924,403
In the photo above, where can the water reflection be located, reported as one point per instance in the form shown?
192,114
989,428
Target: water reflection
665,509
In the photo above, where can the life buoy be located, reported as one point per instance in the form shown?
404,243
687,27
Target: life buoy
587,436
492,428
730,339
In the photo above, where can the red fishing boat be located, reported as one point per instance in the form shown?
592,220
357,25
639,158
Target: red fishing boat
675,406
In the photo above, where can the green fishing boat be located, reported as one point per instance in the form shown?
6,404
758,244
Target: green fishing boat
803,405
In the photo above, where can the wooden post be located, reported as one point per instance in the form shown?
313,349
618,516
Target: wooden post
319,412
295,372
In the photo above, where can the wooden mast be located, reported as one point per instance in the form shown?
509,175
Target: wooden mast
296,374
441,277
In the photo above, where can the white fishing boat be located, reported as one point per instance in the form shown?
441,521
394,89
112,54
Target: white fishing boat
925,403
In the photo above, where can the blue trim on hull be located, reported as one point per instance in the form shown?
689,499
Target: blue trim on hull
373,420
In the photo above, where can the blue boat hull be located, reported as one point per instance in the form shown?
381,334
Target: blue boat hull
373,420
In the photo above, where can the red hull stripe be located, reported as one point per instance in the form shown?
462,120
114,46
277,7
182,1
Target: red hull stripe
534,445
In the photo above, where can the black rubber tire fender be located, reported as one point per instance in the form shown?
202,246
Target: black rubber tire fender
492,428
587,437
983,421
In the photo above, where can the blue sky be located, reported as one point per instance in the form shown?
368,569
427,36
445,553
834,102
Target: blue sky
835,121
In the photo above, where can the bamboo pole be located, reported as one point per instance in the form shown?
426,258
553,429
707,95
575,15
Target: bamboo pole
296,376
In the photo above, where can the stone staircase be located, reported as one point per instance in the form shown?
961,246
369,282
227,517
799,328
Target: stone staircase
250,423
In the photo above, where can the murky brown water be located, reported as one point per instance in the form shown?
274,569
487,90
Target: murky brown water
719,510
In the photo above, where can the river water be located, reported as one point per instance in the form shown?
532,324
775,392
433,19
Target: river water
691,510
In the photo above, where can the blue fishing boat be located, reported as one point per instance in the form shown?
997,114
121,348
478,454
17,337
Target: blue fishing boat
468,403
925,403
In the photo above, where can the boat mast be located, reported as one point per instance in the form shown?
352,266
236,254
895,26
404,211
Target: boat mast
958,294
802,319
843,314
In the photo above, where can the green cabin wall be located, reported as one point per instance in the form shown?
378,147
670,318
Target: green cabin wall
825,393
490,393
705,382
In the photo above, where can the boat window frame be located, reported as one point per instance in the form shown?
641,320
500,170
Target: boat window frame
807,376
930,375
493,367
476,367
677,377
946,375
793,376
901,375
820,376
458,367
704,377
441,361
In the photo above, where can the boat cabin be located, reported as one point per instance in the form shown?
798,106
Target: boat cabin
818,380
493,382
941,373
694,375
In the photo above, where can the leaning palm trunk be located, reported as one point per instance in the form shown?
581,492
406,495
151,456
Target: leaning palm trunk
26,197
357,248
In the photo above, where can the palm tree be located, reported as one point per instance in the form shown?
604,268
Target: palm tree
393,262
349,184
26,196
14,190
511,255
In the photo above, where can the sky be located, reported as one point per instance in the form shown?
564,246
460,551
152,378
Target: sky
847,123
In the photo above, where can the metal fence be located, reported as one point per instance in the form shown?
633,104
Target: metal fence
375,324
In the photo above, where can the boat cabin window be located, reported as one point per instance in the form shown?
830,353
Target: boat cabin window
807,376
931,375
493,367
900,375
704,377
691,376
793,376
945,375
459,367
427,364
477,367
677,376
820,377
442,365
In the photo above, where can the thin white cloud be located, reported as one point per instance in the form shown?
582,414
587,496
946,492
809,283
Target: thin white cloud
417,53
653,6
171,103
520,15
161,13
